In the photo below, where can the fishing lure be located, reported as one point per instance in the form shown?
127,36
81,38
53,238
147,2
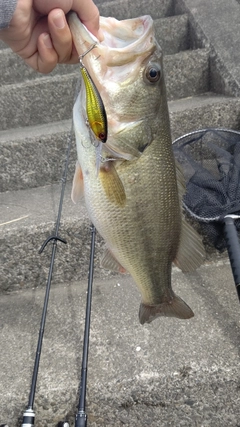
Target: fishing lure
96,114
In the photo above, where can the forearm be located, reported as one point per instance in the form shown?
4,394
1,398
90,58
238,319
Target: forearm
7,8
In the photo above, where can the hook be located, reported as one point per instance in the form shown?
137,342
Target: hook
85,53
55,238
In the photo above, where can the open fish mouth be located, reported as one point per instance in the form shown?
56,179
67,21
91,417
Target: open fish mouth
123,40
115,65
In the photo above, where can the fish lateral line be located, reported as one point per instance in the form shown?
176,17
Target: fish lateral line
96,113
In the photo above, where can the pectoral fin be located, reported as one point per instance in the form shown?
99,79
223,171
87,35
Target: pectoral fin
77,186
109,262
112,184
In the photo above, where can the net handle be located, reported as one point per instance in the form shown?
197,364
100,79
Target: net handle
233,248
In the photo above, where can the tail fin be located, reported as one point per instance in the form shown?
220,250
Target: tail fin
175,307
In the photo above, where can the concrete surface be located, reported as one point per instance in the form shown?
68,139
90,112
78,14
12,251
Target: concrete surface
187,73
168,373
30,221
34,156
172,33
27,219
216,24
27,100
207,110
124,9
37,102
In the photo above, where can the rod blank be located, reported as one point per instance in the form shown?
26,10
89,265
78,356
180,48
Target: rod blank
233,248
81,417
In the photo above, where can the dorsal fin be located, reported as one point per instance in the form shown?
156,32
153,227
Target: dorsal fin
191,252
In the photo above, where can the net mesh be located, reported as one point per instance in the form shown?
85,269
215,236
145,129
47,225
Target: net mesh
210,161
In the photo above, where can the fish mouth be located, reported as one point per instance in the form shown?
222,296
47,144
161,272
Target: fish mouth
115,65
123,40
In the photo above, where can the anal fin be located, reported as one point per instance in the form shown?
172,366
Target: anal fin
109,262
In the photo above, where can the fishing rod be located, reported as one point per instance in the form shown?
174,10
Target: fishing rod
97,122
81,417
29,414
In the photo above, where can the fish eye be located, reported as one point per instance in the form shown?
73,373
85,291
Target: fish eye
153,73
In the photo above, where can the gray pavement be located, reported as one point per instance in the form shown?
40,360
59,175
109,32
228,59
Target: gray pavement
168,373
217,26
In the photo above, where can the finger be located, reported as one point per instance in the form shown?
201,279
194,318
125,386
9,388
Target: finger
89,15
61,36
45,6
86,9
45,58
93,26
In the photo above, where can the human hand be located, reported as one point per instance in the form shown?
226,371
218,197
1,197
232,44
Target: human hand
39,33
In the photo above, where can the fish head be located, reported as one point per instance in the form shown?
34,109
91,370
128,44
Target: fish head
127,70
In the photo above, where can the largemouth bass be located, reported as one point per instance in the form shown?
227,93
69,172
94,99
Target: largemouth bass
133,196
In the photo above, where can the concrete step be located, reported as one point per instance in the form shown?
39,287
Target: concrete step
50,99
168,373
200,112
34,156
39,101
187,73
222,35
126,9
27,216
172,34
13,69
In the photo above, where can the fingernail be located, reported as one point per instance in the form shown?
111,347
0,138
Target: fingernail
47,41
59,20
100,35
